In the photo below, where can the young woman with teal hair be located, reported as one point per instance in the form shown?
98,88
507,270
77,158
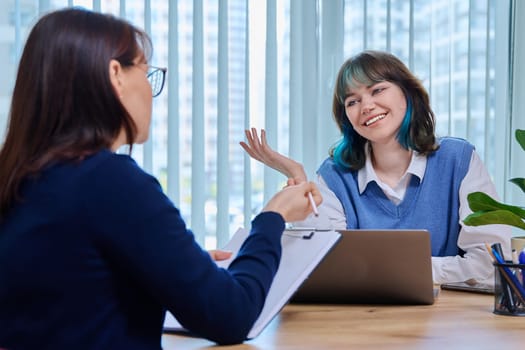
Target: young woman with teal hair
389,170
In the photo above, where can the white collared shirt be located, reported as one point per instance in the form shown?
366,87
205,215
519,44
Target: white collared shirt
367,174
476,264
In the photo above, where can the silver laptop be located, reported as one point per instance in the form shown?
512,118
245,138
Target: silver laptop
373,267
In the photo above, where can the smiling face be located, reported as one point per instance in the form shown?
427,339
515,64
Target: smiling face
376,111
378,100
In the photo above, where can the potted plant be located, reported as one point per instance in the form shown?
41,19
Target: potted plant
487,210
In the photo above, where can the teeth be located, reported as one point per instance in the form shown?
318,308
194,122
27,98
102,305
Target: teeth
375,119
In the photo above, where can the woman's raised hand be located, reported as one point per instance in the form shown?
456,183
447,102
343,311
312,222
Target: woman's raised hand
258,149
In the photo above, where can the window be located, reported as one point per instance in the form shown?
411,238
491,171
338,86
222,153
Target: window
271,64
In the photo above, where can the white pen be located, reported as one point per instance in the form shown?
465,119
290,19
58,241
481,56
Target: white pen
314,207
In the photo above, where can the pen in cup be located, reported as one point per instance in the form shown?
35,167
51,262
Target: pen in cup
521,260
312,202
511,280
507,297
515,260
521,257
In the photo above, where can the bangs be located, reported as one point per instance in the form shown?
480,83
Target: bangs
360,72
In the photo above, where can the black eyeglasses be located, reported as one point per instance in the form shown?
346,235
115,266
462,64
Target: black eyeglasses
156,77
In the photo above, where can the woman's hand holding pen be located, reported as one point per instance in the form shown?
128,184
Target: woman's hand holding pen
258,149
294,203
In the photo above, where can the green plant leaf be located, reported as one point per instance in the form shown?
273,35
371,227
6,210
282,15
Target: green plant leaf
520,182
503,217
520,137
479,201
487,211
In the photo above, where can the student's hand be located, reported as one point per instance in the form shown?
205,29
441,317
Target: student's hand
292,202
219,255
258,149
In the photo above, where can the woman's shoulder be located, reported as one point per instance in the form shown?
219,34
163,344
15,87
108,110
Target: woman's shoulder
327,165
109,167
328,162
454,142
118,178
453,150
107,161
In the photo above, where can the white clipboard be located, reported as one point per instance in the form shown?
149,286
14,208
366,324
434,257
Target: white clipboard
302,251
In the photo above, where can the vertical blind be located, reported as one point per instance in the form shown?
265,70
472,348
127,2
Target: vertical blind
235,64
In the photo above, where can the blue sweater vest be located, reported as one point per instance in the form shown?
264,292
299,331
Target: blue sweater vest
432,204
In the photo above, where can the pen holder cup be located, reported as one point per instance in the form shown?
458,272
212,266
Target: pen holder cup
509,291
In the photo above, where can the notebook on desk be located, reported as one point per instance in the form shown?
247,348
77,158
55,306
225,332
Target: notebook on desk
373,267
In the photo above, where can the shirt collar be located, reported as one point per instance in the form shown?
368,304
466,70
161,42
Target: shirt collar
367,174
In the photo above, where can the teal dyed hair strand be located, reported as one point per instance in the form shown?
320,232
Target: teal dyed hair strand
403,136
344,146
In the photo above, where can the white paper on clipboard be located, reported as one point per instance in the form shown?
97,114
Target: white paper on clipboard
302,251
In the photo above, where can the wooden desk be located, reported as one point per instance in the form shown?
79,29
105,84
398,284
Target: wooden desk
457,320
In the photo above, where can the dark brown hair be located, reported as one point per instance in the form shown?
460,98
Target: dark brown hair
64,106
370,67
